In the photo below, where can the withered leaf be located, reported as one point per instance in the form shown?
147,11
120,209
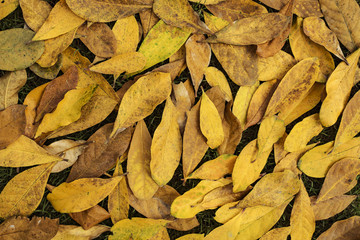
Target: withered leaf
12,124
216,78
346,229
8,7
182,101
127,34
10,84
72,232
35,12
148,19
47,72
277,233
90,217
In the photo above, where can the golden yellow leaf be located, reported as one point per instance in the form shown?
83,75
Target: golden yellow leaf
187,205
210,122
315,28
221,196
330,207
198,55
118,201
137,228
302,48
242,102
81,194
60,21
25,152
342,78
216,78
183,103
72,232
302,133
8,7
35,12
161,42
127,34
259,102
141,99
127,62
270,131
239,62
279,151
275,67
179,13
166,146
10,84
302,220
101,11
192,236
293,88
252,30
277,234
67,111
138,163
347,229
341,16
227,212
23,193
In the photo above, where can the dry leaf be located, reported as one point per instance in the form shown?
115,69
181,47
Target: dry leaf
183,103
10,84
138,163
47,72
207,1
307,8
81,194
17,52
335,101
23,193
35,12
276,4
277,234
166,146
345,229
126,31
270,131
216,78
71,232
12,124
8,7
148,19
221,196
90,217
279,151
192,236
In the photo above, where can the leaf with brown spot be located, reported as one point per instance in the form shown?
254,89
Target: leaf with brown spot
148,19
8,7
99,39
10,85
90,217
252,30
345,229
179,13
12,124
101,153
35,12
307,8
275,67
198,56
22,228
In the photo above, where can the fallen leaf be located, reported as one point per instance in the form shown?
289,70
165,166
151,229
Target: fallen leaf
216,78
166,146
279,151
270,131
341,16
35,12
183,103
192,236
90,217
179,13
47,72
100,11
22,228
81,194
307,8
17,52
12,124
23,193
138,163
148,19
101,153
207,1
141,99
220,196
335,101
251,30
99,39
61,20
277,234
10,85
8,7
126,31
276,4
346,229
227,212
71,232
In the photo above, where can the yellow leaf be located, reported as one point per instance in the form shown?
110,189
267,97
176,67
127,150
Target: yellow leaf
179,13
279,151
252,30
127,62
210,122
60,20
293,88
47,72
127,34
118,201
23,193
141,99
137,228
315,28
12,124
161,42
148,19
302,133
35,12
166,146
341,16
206,2
277,234
216,78
239,62
192,236
100,11
302,220
72,232
81,194
302,48
187,205
10,84
67,111
25,152
242,102
227,212
183,103
270,131
138,163
8,7
223,164
276,4
350,122
220,196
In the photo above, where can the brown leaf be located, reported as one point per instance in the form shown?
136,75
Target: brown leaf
101,153
183,103
148,19
279,151
90,217
10,84
12,124
174,68
346,229
307,8
37,228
